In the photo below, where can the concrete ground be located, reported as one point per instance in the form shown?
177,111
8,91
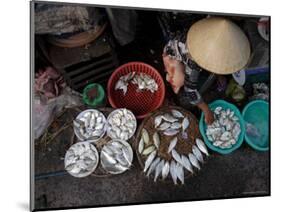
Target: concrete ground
243,173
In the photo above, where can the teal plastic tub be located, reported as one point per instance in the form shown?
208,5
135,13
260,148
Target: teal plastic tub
203,126
257,114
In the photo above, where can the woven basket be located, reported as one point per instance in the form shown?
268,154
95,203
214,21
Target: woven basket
148,124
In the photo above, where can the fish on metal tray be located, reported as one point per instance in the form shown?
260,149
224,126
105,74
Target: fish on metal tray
80,159
116,156
121,124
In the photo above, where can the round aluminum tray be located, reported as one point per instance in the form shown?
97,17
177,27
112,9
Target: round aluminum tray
94,152
83,138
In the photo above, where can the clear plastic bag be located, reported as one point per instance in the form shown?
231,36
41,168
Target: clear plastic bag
44,112
42,115
252,131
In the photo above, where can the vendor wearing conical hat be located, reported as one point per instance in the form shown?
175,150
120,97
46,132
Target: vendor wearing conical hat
213,44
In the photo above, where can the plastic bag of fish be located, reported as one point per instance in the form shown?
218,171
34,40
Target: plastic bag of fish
90,125
142,80
225,130
121,124
116,156
178,165
81,159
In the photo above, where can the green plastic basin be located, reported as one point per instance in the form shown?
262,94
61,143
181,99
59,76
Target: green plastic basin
203,126
257,114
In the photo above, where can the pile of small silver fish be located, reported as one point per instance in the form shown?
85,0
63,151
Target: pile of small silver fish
225,130
179,163
172,123
121,124
116,156
145,82
122,83
81,159
90,125
142,80
146,146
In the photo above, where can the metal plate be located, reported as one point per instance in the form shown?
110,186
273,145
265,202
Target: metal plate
110,117
86,145
110,165
83,138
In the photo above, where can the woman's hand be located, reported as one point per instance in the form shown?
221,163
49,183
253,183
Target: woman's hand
209,115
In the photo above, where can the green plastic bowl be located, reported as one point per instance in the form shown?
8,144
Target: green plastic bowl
203,126
99,100
256,113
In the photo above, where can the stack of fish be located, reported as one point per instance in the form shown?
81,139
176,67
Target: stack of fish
225,130
142,80
145,82
173,124
81,159
175,167
116,156
145,145
122,124
90,125
122,83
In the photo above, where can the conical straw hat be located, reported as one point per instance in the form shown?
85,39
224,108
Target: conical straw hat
218,45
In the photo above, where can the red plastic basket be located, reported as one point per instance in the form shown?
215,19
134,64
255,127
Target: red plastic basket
140,103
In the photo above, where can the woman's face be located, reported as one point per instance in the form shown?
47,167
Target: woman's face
174,73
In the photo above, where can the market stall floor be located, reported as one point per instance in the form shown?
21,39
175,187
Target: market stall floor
243,173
